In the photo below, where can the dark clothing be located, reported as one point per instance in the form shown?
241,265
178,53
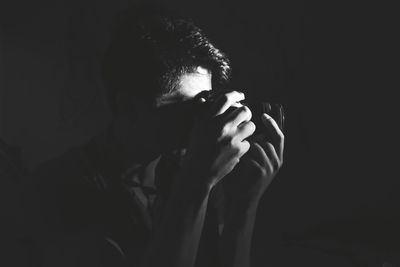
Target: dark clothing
81,210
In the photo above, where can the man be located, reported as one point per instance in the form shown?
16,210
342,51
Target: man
147,191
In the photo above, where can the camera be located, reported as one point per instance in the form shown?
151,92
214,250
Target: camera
275,110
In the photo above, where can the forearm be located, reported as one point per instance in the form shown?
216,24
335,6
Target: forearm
176,240
235,245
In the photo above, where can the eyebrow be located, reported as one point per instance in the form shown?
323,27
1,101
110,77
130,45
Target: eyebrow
171,97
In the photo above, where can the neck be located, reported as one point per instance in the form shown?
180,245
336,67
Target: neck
126,156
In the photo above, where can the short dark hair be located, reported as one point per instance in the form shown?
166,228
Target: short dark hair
150,49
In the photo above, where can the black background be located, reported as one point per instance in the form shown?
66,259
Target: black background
319,61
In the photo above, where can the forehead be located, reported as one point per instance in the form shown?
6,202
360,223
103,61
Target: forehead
190,84
193,83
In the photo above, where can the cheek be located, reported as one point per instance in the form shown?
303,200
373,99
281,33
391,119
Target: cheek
142,131
173,133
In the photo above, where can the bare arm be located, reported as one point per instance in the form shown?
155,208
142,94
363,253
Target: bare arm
235,245
214,150
250,180
176,241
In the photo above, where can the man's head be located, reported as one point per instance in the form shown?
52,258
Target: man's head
151,50
155,60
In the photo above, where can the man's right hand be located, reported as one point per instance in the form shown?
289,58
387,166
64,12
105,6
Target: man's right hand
218,140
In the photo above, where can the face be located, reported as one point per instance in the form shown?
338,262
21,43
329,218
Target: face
166,126
190,85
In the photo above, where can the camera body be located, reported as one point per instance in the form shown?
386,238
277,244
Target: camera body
275,110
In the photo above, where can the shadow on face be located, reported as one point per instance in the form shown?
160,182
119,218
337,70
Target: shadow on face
166,125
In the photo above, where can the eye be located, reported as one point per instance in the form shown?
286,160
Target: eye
169,98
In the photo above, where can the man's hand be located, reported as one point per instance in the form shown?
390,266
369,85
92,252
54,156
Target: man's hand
218,140
258,167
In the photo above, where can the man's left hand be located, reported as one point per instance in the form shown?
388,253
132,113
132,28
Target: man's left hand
258,167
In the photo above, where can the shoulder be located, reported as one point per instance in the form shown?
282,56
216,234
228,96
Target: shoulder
65,214
59,174
58,195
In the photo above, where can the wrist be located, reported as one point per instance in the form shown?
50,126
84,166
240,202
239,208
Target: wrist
246,200
193,185
242,208
241,214
245,205
196,177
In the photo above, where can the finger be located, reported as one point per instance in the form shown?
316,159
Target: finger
257,153
276,133
245,130
251,162
244,148
225,101
238,116
270,151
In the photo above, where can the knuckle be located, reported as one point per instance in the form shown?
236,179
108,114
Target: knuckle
247,109
231,141
223,145
234,150
237,150
259,171
224,130
270,171
220,128
269,168
235,160
262,172
227,140
251,126
276,165
245,146
234,147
